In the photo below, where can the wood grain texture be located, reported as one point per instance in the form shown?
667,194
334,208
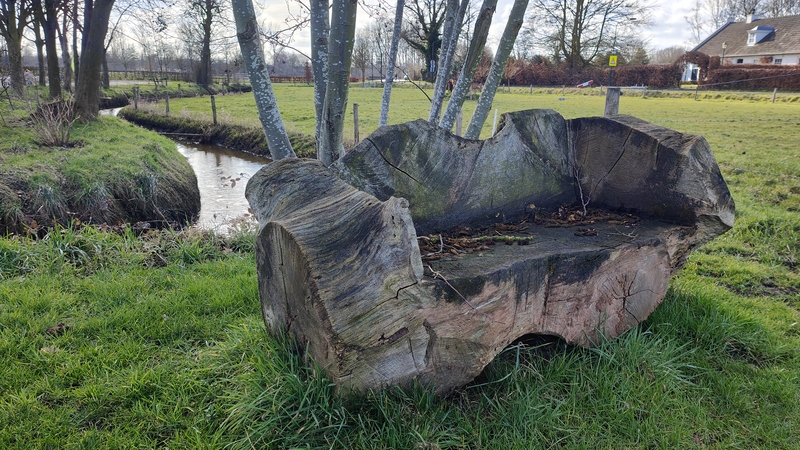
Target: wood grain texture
340,268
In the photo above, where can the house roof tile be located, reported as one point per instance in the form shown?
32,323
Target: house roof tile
784,40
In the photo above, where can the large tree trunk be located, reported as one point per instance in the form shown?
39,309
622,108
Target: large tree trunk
341,270
87,90
387,85
13,21
320,30
474,53
340,56
253,55
486,99
15,66
50,38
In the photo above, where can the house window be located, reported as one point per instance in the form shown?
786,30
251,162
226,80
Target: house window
777,61
740,61
751,39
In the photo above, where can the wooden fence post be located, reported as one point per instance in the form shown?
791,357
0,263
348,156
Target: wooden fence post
136,98
166,101
214,108
355,122
773,94
612,101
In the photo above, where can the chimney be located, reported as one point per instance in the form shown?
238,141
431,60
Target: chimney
751,16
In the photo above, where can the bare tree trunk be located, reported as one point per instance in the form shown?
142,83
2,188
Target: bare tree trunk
106,80
513,25
75,55
204,77
65,57
387,85
470,65
38,23
13,20
452,29
15,65
50,37
253,55
340,55
87,90
320,30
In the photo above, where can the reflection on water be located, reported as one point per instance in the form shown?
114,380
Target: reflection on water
222,175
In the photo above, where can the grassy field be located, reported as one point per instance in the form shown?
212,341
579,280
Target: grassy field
163,344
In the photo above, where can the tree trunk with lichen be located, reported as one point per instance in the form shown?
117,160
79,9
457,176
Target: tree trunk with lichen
253,55
340,266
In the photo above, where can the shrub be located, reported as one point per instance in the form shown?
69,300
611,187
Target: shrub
53,123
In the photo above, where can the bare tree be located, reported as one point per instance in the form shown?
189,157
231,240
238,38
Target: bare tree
667,55
580,30
423,32
36,25
87,90
340,53
14,17
64,41
123,53
780,8
362,56
253,54
453,22
472,59
515,20
708,16
204,14
387,86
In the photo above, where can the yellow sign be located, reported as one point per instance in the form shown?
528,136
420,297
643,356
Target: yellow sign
612,61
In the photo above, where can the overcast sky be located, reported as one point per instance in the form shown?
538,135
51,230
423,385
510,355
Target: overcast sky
669,23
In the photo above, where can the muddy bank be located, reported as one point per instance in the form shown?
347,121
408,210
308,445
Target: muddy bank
234,137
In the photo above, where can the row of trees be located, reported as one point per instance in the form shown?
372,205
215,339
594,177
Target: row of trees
73,39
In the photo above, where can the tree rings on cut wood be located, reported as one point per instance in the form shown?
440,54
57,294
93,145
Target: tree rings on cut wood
570,228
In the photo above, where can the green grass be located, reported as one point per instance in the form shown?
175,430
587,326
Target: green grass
110,164
167,347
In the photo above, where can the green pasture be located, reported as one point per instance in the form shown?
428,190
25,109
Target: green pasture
163,345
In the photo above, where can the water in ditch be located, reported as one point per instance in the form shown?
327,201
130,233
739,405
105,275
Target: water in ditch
222,175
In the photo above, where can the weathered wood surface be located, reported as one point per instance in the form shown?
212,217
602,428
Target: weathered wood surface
340,268
451,180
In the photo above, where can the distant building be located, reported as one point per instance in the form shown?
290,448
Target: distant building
754,41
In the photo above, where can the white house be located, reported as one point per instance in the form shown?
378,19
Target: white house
755,41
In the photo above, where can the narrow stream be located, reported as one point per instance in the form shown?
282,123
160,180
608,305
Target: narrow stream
222,175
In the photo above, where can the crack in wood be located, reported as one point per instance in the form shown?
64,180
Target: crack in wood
390,164
619,158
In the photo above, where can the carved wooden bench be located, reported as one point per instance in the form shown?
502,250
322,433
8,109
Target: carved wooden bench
339,264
